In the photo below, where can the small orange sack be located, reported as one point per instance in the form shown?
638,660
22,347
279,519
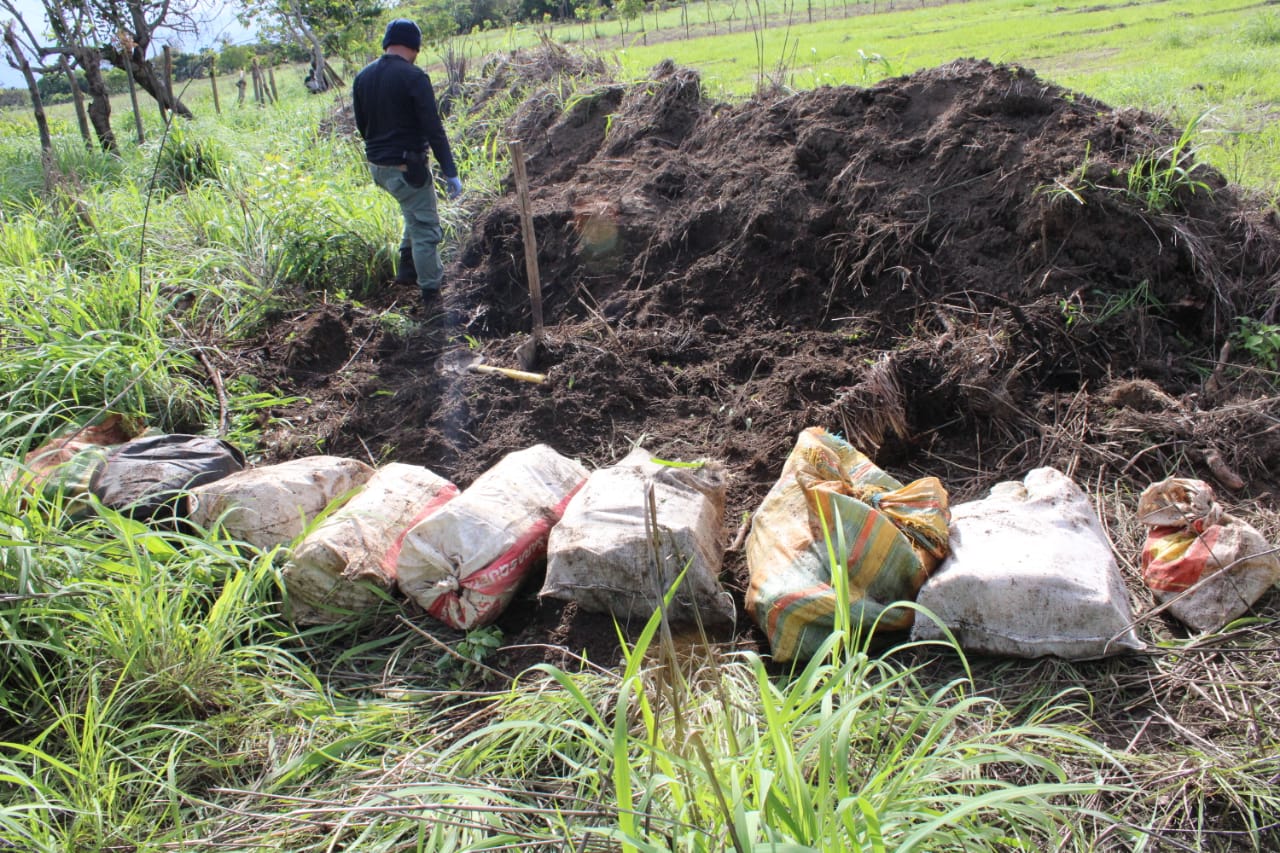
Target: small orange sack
1210,567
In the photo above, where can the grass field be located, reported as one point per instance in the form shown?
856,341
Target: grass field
152,697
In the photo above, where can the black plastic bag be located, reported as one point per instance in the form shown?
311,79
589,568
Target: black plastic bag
147,478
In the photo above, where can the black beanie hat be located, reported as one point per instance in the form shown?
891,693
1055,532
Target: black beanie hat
402,31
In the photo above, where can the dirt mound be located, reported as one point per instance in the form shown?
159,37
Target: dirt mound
968,271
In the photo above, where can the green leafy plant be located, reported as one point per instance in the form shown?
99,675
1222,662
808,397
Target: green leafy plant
473,654
1071,308
1260,340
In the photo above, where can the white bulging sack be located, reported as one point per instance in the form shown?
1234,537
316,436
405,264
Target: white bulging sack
464,563
339,566
601,553
272,505
1030,573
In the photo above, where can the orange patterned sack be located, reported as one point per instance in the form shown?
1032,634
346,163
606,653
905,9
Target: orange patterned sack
1208,566
894,536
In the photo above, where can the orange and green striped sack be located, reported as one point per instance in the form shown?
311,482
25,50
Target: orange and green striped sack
894,536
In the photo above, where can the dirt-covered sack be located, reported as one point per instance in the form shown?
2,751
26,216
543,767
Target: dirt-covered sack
464,562
147,478
601,553
894,536
1030,574
338,568
1208,566
272,505
65,465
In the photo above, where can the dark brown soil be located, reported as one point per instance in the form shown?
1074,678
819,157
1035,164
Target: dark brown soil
947,268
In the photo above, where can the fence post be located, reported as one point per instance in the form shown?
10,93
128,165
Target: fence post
126,51
213,83
168,74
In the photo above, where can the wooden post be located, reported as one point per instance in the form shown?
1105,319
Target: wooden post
213,83
126,51
168,73
77,97
271,78
257,82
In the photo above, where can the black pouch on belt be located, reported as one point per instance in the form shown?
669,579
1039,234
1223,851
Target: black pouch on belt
415,168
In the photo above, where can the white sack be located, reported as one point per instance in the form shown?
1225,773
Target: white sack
464,563
1031,573
339,565
272,505
601,555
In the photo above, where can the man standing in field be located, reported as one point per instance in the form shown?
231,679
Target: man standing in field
397,116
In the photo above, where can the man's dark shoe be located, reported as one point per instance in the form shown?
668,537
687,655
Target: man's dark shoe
405,272
430,298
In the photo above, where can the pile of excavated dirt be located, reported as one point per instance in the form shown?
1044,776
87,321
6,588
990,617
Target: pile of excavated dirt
955,269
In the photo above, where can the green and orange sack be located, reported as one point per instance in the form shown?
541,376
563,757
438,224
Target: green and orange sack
1206,565
893,535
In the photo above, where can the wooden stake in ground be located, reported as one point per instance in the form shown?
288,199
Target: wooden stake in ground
126,52
528,351
213,83
168,76
258,98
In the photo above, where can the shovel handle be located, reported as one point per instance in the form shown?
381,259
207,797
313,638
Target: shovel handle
522,375
530,241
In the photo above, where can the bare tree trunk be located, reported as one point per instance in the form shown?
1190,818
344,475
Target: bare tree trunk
77,98
90,61
133,97
319,80
37,106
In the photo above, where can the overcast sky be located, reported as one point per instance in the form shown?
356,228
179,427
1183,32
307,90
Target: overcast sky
218,19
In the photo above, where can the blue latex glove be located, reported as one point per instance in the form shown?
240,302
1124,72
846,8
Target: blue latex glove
454,186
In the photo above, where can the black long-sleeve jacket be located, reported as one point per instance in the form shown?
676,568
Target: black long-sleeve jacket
396,112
